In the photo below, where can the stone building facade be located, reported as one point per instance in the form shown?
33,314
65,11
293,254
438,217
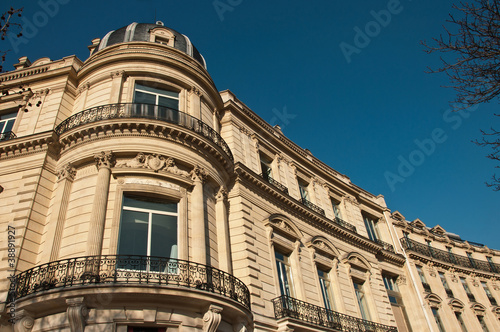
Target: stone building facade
137,197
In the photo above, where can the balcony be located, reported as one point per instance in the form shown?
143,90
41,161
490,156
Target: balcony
288,307
125,270
275,183
312,206
145,111
448,257
344,224
7,136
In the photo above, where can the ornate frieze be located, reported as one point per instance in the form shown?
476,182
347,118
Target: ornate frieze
154,162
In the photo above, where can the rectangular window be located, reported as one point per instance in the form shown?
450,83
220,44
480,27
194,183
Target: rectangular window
324,284
493,301
7,122
304,193
265,165
445,285
147,95
336,209
371,228
392,288
421,275
438,319
361,299
467,290
284,274
482,323
148,227
460,321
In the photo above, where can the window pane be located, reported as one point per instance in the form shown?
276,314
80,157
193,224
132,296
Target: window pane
168,102
164,236
157,91
149,203
9,125
133,233
144,98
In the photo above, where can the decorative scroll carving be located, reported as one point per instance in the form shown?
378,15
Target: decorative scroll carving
212,318
155,162
24,321
83,88
104,159
196,91
67,172
77,314
198,174
401,280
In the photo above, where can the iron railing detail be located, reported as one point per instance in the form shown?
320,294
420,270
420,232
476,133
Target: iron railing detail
7,135
275,183
312,206
146,111
129,270
385,245
344,224
449,257
289,307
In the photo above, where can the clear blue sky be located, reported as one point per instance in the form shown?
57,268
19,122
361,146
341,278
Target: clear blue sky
361,113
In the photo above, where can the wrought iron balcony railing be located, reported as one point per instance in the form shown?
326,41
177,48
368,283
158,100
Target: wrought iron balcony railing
449,257
146,111
312,206
7,135
385,245
288,307
344,224
129,270
275,183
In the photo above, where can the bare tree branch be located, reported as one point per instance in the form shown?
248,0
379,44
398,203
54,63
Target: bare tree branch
471,59
7,26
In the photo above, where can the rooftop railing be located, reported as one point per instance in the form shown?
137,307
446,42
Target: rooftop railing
128,270
449,257
145,111
288,307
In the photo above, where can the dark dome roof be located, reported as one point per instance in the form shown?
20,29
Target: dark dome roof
141,32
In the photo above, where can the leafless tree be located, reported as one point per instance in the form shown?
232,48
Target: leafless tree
470,56
8,26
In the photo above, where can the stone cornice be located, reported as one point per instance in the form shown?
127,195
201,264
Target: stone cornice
124,127
27,145
254,182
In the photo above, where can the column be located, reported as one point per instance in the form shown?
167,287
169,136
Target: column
198,238
223,245
104,162
65,177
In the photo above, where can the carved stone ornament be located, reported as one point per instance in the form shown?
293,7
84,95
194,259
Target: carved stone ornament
24,321
67,172
77,314
104,159
221,194
212,318
198,174
351,199
401,280
196,91
154,162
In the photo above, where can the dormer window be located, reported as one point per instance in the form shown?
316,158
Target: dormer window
162,36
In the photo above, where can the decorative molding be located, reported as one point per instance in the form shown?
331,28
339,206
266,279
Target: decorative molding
24,321
221,194
67,172
77,313
212,318
198,174
118,74
154,162
401,280
105,159
351,199
84,87
195,90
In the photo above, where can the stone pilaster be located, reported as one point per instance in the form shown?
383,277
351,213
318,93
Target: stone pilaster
104,162
223,244
212,318
199,255
77,313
